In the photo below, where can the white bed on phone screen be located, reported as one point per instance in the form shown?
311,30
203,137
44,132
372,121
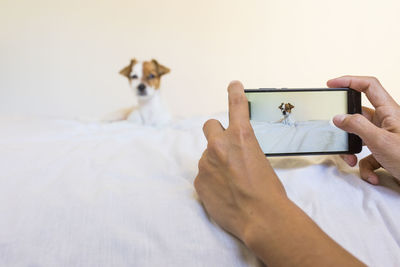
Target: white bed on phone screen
76,193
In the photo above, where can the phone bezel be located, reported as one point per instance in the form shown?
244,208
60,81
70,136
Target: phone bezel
353,106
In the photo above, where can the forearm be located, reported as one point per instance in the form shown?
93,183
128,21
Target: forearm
286,236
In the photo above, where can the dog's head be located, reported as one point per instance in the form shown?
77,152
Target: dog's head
144,77
286,108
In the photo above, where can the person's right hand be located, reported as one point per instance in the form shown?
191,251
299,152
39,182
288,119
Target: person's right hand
379,129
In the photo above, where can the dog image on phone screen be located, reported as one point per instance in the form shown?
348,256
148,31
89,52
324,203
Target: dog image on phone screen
286,109
296,121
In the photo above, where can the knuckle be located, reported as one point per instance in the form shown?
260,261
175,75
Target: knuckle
202,164
216,146
198,186
374,81
390,123
354,119
196,183
243,132
238,99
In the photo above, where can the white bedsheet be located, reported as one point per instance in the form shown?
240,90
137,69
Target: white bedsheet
303,136
91,194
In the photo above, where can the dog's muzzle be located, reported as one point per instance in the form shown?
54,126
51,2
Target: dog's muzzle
141,87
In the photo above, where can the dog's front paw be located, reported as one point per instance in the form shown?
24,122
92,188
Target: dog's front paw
135,117
112,117
119,115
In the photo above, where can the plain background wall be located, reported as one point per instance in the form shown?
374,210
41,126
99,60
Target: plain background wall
61,58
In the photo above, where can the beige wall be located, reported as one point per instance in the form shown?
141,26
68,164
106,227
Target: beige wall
62,58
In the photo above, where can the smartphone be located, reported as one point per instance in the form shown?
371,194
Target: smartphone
291,122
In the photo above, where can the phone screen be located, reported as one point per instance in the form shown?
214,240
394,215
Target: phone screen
298,121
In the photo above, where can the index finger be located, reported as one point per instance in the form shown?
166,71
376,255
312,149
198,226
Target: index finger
238,104
372,88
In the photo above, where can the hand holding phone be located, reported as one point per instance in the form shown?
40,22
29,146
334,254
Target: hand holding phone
299,121
242,193
379,128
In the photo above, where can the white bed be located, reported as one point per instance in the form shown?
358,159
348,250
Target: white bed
76,193
304,136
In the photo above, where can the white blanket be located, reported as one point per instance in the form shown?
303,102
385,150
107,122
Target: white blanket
304,136
92,194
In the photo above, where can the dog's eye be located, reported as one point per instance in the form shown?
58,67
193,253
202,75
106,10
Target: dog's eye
151,76
134,76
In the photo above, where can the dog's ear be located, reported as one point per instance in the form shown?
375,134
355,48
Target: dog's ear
127,70
280,107
161,69
291,106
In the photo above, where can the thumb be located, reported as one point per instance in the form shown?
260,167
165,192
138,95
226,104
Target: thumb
359,125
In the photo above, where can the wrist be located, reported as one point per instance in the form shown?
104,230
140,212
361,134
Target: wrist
263,225
284,234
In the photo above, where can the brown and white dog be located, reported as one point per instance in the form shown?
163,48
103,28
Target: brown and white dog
286,109
144,78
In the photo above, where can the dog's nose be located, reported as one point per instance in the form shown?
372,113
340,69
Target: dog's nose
141,87
284,112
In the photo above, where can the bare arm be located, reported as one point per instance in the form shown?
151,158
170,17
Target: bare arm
288,237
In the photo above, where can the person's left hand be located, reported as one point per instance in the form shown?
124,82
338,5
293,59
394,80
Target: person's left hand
236,183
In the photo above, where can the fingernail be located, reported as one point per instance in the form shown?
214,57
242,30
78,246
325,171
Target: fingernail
339,118
235,82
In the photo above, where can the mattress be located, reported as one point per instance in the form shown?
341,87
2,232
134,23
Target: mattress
82,193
